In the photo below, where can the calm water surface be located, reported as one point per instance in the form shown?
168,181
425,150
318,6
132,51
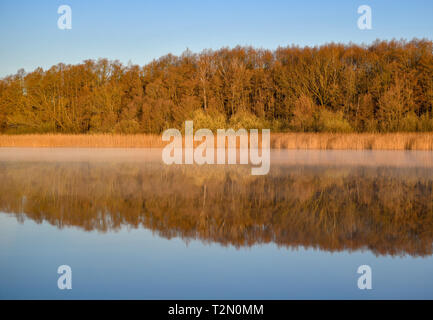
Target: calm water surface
131,227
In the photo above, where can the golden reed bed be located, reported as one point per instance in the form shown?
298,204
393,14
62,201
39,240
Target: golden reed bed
365,141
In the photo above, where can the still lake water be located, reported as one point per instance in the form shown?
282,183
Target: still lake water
131,227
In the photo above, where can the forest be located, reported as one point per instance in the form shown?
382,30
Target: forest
386,86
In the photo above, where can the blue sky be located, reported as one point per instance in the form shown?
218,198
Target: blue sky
140,31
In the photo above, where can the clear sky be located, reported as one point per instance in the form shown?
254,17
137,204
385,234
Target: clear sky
140,31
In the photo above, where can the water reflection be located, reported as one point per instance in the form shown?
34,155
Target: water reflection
386,210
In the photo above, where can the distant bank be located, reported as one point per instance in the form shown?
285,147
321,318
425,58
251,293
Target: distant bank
314,141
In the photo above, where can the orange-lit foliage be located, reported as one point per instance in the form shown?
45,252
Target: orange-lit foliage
383,87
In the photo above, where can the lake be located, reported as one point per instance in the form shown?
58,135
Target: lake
131,227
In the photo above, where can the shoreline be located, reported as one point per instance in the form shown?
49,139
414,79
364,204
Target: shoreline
289,141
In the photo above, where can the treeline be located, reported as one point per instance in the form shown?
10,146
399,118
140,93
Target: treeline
382,87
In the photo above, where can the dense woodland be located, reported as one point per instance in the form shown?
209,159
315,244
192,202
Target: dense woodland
386,86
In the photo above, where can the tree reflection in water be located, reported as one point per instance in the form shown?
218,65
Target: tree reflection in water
385,210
